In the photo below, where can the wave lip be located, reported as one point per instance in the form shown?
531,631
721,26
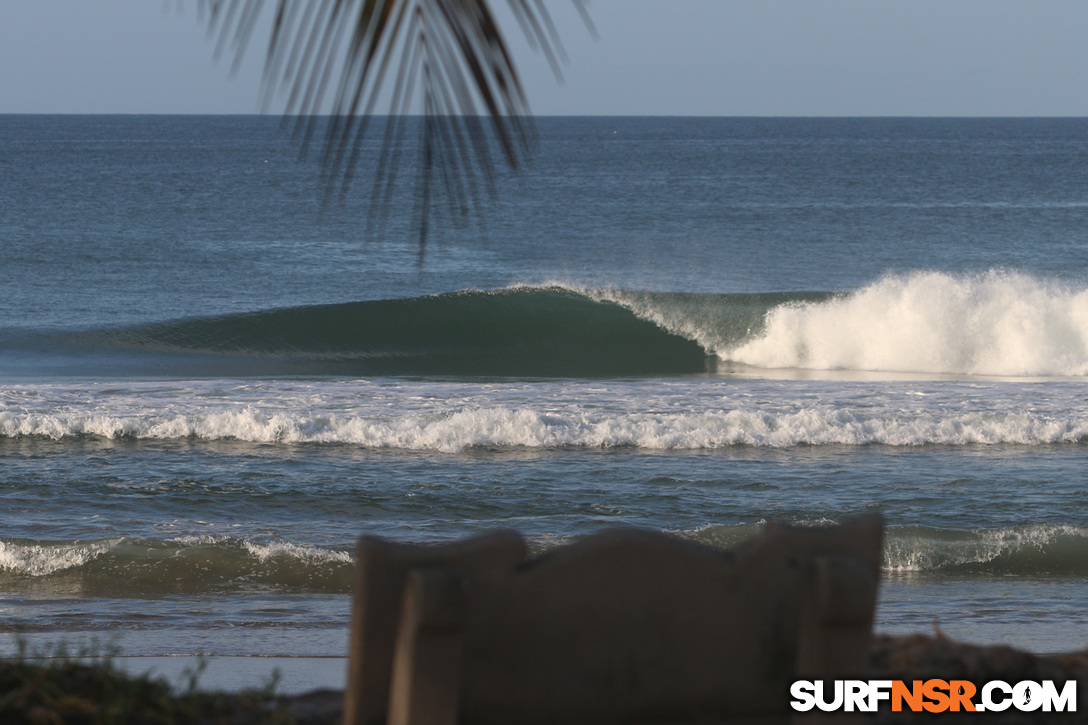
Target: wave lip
997,324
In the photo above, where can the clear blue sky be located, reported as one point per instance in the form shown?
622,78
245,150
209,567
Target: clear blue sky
654,57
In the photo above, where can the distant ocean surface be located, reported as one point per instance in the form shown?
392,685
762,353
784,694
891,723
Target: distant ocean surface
210,387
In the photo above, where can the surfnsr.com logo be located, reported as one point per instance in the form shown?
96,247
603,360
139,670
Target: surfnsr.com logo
933,696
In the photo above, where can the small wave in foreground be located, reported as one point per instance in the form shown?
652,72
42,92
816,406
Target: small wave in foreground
142,567
1030,550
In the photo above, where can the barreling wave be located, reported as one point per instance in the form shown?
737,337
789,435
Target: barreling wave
523,428
993,324
520,331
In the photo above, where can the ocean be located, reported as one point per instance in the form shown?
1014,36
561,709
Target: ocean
211,382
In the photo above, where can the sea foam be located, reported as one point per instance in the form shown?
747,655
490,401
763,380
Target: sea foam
500,427
996,323
41,560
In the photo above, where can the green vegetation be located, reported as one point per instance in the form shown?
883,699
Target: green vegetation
86,687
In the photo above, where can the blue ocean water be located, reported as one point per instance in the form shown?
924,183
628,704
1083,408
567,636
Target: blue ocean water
210,384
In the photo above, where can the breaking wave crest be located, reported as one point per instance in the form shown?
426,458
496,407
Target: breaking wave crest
998,323
1034,549
501,428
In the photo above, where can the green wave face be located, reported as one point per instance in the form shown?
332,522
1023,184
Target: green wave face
532,332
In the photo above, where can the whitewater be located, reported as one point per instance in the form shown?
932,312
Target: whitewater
674,415
997,323
208,391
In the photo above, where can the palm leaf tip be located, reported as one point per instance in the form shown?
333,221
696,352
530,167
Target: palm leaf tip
347,57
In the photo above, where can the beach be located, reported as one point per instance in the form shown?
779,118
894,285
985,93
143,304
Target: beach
208,390
912,658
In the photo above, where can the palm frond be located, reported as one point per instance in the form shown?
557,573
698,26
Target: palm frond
340,56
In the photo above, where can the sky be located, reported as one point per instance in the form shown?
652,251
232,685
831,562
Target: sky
652,57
